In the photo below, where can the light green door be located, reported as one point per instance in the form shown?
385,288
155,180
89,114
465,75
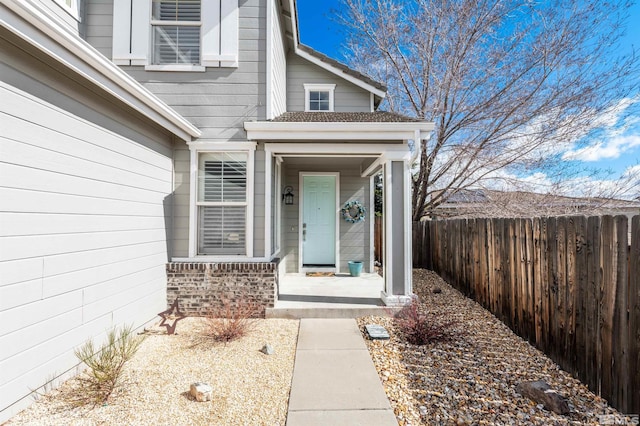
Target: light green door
319,220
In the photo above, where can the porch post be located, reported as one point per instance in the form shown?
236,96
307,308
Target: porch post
397,233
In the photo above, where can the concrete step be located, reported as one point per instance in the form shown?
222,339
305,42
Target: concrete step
339,312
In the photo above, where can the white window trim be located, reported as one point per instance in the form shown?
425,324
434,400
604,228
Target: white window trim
72,10
176,67
313,87
203,147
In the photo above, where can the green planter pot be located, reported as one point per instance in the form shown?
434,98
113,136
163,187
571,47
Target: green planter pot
355,268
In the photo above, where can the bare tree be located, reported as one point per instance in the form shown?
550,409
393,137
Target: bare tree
510,84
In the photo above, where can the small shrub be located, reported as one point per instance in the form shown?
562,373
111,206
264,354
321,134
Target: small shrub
419,327
106,364
231,322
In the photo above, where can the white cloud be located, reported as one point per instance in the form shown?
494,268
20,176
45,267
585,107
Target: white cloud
613,147
619,133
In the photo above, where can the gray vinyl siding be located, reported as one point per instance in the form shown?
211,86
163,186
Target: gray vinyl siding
98,24
217,101
84,204
347,96
279,64
354,237
181,163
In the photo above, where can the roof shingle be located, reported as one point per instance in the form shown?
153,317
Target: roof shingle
344,117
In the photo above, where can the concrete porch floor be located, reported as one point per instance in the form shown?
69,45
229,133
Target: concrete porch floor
339,296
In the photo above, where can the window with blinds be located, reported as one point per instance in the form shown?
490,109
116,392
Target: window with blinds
222,203
175,26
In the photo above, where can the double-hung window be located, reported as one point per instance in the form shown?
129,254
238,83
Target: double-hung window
222,203
175,35
175,26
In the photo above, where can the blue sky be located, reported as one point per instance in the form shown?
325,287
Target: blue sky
618,146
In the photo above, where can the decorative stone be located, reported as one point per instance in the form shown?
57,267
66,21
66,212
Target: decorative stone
541,393
376,332
437,290
267,349
201,391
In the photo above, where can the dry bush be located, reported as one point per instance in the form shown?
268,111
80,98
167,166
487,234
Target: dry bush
232,321
419,327
106,365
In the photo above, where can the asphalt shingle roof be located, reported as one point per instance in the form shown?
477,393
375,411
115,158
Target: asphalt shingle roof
344,117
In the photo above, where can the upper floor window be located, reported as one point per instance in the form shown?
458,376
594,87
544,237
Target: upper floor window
176,35
70,6
175,26
319,97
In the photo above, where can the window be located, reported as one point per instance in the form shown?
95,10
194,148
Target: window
319,97
175,35
222,203
318,101
175,26
71,6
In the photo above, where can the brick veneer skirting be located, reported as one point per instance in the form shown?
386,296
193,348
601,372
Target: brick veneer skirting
203,287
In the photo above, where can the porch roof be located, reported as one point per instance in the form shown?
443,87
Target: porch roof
344,117
368,127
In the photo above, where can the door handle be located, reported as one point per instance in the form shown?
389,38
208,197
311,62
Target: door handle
304,235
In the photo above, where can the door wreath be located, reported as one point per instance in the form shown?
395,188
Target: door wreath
353,212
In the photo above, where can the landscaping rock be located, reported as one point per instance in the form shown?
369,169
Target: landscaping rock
201,391
542,393
267,349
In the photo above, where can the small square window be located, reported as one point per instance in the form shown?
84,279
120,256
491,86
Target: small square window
319,97
318,101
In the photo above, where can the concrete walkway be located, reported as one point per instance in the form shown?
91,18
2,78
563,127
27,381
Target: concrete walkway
334,379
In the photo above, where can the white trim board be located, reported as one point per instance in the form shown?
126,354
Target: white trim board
352,131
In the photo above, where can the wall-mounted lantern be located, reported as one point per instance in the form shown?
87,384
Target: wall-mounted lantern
288,195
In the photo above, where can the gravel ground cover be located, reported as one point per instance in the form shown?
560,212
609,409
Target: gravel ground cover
249,387
471,378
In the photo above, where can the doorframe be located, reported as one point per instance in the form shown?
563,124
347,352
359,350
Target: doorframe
301,268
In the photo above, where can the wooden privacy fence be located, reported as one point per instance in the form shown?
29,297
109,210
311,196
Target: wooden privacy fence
377,239
570,285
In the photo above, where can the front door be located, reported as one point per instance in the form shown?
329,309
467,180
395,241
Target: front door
318,220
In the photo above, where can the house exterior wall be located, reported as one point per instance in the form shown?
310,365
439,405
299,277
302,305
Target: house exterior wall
278,63
354,238
217,101
98,25
347,96
84,212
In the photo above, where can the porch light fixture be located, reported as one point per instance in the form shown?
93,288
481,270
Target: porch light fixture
288,195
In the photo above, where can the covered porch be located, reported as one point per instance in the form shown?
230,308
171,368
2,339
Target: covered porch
326,164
